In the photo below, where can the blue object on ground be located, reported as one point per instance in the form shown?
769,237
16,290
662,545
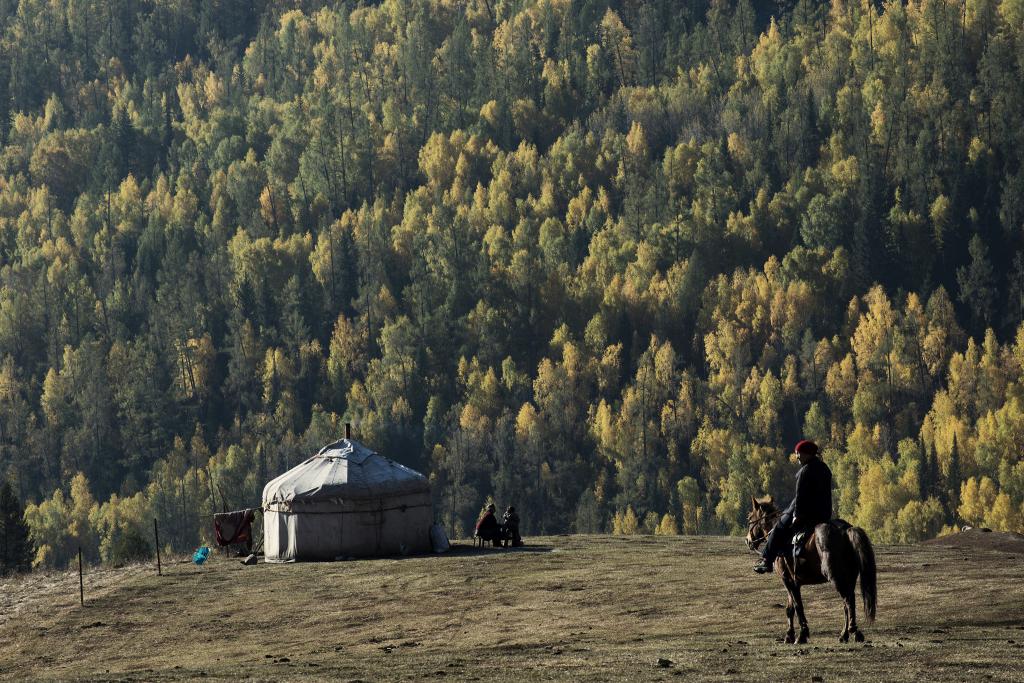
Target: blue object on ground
200,555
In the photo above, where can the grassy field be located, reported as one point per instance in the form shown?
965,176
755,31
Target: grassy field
573,607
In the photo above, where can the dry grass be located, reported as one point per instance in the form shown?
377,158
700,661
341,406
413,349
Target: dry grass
595,608
27,598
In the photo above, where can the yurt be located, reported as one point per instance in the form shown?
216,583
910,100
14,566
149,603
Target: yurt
346,501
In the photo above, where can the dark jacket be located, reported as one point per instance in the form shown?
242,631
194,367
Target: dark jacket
511,520
813,501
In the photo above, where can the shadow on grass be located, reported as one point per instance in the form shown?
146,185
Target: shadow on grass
460,550
456,550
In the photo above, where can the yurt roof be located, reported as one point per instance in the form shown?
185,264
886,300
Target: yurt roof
346,470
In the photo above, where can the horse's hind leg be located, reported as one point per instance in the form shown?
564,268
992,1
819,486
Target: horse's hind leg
851,601
848,610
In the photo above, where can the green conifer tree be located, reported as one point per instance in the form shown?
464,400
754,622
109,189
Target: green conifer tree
15,545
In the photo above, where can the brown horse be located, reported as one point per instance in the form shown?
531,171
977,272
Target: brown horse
835,552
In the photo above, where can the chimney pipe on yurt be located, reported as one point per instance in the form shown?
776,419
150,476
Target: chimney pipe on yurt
346,501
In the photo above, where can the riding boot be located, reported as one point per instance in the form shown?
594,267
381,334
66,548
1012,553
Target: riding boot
774,545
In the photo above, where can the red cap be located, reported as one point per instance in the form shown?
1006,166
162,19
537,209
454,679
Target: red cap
806,447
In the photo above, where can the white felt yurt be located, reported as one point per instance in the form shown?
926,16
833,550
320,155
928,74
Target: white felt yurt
346,501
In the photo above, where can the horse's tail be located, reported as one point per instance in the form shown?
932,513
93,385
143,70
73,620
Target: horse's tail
868,580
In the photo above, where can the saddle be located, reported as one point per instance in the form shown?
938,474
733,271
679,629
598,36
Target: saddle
800,537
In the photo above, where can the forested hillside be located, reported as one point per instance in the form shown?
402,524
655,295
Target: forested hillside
606,261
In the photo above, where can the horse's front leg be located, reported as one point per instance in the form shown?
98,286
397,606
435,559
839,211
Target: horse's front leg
790,609
805,631
790,612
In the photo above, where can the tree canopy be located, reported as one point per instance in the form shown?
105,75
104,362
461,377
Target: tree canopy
606,261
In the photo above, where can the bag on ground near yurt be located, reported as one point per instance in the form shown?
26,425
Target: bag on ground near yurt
439,539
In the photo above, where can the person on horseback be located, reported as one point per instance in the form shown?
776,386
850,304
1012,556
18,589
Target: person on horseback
811,505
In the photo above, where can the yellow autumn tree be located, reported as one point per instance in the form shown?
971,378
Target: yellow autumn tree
667,526
1004,515
976,499
625,523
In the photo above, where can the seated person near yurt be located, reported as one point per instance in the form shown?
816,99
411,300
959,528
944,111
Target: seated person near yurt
510,527
488,528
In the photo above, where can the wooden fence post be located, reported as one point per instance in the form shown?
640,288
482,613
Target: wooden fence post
81,583
156,540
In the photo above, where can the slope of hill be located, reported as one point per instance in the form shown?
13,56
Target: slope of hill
578,607
982,538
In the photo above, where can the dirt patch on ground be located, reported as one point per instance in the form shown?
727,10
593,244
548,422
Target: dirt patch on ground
977,539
